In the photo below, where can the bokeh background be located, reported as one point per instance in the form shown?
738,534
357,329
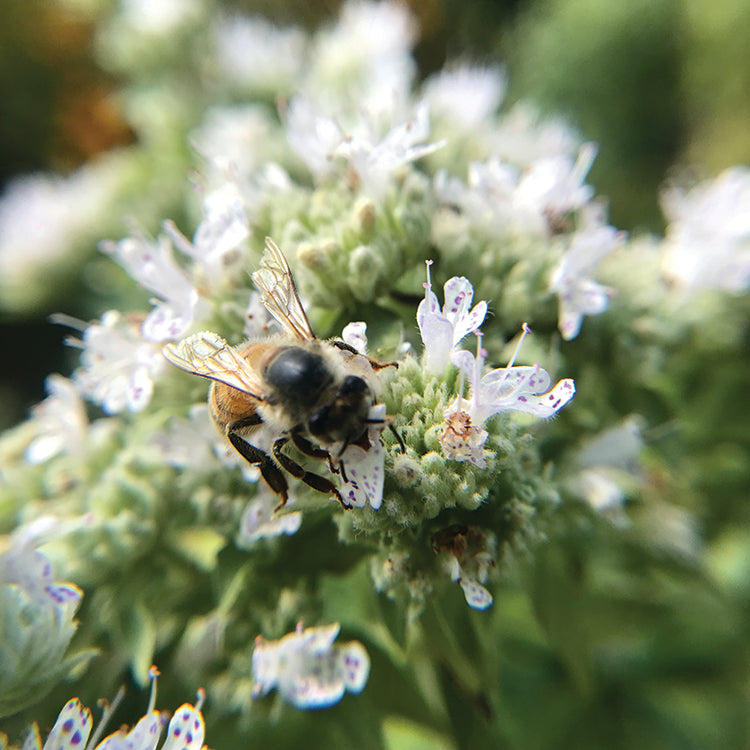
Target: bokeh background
662,85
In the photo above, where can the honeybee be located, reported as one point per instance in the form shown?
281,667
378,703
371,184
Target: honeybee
318,394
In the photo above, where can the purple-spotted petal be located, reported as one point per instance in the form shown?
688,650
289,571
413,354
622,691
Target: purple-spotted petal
477,596
186,730
72,728
548,403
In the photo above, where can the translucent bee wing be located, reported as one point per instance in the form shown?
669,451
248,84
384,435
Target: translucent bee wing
209,356
477,596
72,728
279,293
186,730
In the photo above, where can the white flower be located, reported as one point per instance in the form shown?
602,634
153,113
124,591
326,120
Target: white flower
551,188
522,137
521,388
312,136
152,265
60,419
608,466
442,330
118,366
230,139
476,595
355,334
467,560
321,140
222,230
375,158
307,669
486,200
259,522
24,566
365,60
256,54
196,444
466,95
707,243
579,294
259,322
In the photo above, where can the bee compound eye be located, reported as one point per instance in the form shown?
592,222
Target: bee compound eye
318,423
353,385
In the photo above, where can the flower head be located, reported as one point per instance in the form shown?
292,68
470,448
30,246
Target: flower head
307,669
442,330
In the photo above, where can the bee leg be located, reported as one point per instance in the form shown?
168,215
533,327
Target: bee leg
306,447
268,469
315,481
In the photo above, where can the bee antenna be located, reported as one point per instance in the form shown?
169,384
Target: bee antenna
343,472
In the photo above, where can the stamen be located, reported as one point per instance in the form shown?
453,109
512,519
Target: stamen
62,319
200,699
109,709
428,284
153,673
525,332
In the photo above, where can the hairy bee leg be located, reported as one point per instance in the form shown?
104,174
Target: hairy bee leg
268,469
306,447
315,481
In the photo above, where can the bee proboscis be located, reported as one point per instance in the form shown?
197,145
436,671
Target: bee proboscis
317,394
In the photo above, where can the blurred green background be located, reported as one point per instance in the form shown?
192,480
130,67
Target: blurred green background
662,85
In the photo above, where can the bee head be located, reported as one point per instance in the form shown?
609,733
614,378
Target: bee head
343,420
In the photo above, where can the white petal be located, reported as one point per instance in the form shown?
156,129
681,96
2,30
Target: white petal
477,596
